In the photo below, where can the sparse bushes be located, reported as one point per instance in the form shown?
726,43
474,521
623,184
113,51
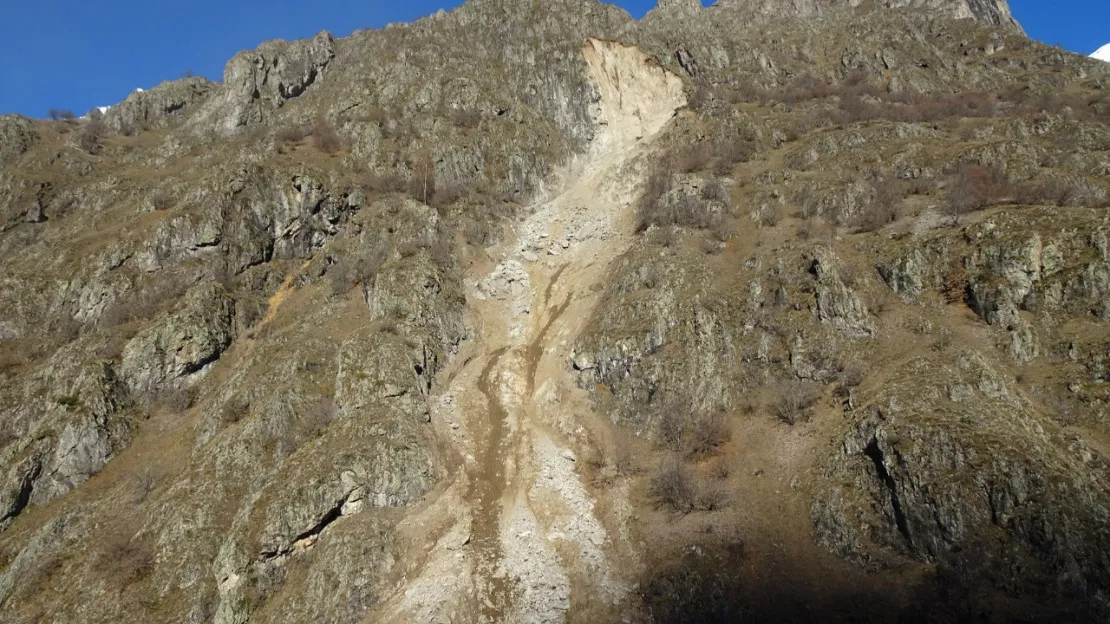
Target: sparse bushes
150,296
477,232
233,411
291,134
88,140
659,208
325,138
675,485
422,183
794,399
711,430
347,271
59,114
317,416
385,183
696,435
126,558
717,154
974,187
177,400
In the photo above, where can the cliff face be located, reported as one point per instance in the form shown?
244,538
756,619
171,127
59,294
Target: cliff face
536,312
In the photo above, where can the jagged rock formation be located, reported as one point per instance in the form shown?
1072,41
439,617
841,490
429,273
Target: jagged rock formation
156,108
535,312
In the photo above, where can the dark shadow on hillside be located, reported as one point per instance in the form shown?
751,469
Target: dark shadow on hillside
706,584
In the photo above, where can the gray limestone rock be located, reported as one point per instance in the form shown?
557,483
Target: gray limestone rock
167,355
157,107
17,135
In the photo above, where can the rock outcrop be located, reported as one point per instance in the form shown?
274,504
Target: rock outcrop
258,82
158,107
17,135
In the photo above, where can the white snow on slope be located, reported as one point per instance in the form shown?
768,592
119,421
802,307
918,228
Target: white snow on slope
1103,53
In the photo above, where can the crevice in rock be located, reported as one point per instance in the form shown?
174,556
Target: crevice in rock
333,514
875,453
26,488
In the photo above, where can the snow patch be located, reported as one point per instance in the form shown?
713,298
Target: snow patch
1103,53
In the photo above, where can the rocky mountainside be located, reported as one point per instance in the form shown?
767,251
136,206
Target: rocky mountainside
534,312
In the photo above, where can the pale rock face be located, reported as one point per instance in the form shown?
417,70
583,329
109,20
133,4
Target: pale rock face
157,106
258,82
17,135
991,11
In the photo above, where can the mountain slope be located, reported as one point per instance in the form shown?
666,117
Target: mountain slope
541,313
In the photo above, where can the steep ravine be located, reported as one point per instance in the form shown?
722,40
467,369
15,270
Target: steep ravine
525,526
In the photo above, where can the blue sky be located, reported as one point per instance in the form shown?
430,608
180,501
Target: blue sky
79,54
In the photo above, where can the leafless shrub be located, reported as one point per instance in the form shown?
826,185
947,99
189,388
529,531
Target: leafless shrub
349,270
234,410
291,134
477,232
385,183
88,140
955,284
447,195
422,182
710,246
974,187
673,485
852,376
808,200
149,297
672,428
146,481
884,209
664,236
62,114
1056,192
651,201
249,309
793,399
325,138
467,118
317,416
710,431
126,558
177,400
816,229
943,340
161,200
711,496
767,216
